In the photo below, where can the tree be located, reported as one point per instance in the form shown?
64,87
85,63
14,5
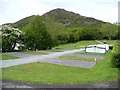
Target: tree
71,38
10,36
109,31
76,35
82,33
63,37
56,30
88,33
36,35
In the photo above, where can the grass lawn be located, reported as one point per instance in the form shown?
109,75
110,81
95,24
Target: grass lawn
80,44
77,45
34,52
78,58
7,57
109,41
59,74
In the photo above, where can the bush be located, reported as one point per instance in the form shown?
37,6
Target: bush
116,55
116,60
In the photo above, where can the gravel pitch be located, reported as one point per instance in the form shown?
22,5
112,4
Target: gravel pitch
86,56
50,58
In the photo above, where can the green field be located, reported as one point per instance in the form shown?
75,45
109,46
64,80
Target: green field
7,57
59,74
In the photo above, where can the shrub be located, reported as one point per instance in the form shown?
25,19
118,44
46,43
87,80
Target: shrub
116,55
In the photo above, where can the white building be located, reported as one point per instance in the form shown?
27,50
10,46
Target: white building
99,48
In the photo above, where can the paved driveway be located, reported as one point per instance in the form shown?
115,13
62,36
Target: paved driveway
50,58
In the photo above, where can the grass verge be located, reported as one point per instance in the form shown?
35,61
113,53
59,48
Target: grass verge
54,50
77,58
7,57
90,53
34,52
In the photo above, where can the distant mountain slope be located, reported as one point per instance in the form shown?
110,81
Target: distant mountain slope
21,23
66,18
71,19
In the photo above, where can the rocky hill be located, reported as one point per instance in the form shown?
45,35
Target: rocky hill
71,19
66,18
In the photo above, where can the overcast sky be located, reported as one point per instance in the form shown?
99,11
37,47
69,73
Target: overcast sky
14,10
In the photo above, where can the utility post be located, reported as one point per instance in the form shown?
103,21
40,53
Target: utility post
95,60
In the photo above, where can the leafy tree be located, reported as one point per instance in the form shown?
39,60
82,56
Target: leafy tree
83,33
10,36
71,37
87,33
56,30
109,31
72,32
76,35
36,35
63,38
